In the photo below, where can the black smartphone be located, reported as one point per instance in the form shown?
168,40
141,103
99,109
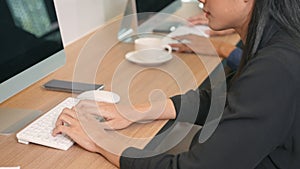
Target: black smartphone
69,86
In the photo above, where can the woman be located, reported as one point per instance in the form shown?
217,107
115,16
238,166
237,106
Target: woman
260,123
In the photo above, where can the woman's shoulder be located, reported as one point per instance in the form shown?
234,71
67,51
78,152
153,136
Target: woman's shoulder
283,49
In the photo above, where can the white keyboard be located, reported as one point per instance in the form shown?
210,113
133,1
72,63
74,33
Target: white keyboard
40,130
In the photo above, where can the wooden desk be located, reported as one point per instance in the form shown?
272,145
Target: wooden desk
177,80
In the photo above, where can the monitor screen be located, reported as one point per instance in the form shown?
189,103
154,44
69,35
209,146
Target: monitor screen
31,45
151,5
137,12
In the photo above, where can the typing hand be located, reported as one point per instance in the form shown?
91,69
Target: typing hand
68,123
87,124
199,19
109,114
196,44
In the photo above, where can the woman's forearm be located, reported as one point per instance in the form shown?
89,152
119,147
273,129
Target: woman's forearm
157,111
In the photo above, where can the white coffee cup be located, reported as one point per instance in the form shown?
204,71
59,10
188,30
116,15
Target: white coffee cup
151,43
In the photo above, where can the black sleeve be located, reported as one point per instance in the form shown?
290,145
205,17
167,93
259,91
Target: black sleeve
256,120
193,106
188,108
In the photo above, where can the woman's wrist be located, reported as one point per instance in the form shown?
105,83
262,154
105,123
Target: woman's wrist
113,158
156,111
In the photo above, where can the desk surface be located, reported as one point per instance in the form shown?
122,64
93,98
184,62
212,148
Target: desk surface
165,78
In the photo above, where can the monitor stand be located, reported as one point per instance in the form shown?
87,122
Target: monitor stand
12,120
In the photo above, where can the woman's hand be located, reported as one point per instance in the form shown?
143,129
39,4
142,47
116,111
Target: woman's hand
203,46
114,116
195,44
88,121
68,123
199,19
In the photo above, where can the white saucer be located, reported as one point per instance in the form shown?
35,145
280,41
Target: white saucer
149,57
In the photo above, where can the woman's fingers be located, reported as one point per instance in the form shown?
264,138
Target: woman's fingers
181,47
198,20
67,117
63,125
61,129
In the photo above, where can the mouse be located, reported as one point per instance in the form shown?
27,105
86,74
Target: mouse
100,95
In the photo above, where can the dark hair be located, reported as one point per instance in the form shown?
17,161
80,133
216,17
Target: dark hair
284,12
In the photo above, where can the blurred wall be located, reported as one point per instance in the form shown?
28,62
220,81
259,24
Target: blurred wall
79,17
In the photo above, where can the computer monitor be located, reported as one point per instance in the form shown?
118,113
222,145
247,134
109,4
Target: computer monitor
31,45
138,12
